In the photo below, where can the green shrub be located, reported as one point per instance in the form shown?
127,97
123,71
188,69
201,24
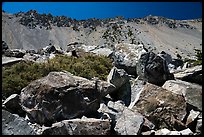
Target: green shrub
198,60
19,75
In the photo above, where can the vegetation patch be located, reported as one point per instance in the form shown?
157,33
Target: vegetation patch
198,60
19,75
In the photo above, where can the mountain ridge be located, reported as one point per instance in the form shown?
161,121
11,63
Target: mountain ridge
156,33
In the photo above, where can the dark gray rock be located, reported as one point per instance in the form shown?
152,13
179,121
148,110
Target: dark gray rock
120,79
129,123
193,74
4,47
88,126
15,125
153,69
14,53
49,49
124,121
61,95
12,105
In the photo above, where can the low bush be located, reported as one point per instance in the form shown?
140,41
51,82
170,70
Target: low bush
19,75
198,61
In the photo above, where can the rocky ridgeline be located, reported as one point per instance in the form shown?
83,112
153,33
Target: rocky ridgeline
145,94
32,19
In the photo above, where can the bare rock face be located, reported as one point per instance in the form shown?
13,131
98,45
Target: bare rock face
14,125
191,92
153,69
162,107
126,56
61,95
89,126
193,74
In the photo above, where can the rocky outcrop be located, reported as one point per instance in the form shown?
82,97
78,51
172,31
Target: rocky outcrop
191,92
153,69
15,125
89,126
162,107
193,74
61,95
126,56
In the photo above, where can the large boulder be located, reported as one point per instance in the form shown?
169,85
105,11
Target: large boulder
193,74
117,77
14,125
191,92
153,69
129,123
120,79
162,107
126,56
89,126
61,95
173,64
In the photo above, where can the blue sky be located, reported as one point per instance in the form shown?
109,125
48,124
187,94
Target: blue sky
85,10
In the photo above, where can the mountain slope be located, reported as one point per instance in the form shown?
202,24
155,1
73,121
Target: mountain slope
33,31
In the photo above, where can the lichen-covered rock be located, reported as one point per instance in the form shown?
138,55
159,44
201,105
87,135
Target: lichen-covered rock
61,95
126,56
129,123
162,107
